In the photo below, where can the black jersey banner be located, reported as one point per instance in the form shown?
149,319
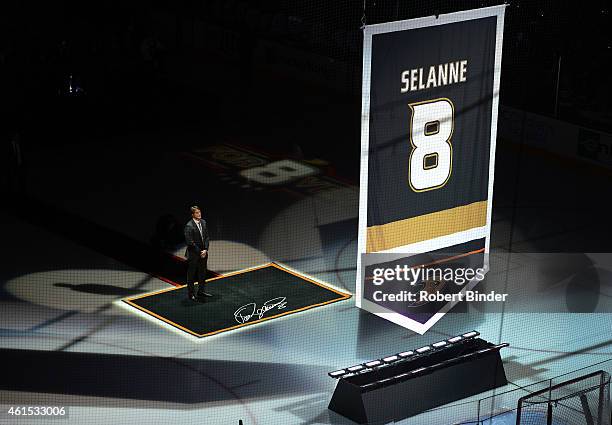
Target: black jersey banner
429,124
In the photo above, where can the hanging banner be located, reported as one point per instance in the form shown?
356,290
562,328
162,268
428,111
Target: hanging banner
429,123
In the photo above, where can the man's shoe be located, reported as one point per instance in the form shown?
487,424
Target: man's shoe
192,297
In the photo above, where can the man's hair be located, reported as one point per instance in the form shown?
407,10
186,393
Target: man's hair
194,209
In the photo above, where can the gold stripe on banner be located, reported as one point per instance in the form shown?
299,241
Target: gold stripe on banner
427,226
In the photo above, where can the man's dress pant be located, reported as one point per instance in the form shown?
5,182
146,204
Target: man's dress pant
196,272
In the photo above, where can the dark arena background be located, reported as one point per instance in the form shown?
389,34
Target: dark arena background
118,116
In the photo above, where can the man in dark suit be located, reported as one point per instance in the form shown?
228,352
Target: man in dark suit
196,238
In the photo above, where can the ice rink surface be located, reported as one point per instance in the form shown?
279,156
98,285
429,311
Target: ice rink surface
60,295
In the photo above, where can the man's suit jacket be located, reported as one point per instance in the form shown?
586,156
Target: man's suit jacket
195,241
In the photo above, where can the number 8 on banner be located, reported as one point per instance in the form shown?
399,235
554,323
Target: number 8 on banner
431,129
